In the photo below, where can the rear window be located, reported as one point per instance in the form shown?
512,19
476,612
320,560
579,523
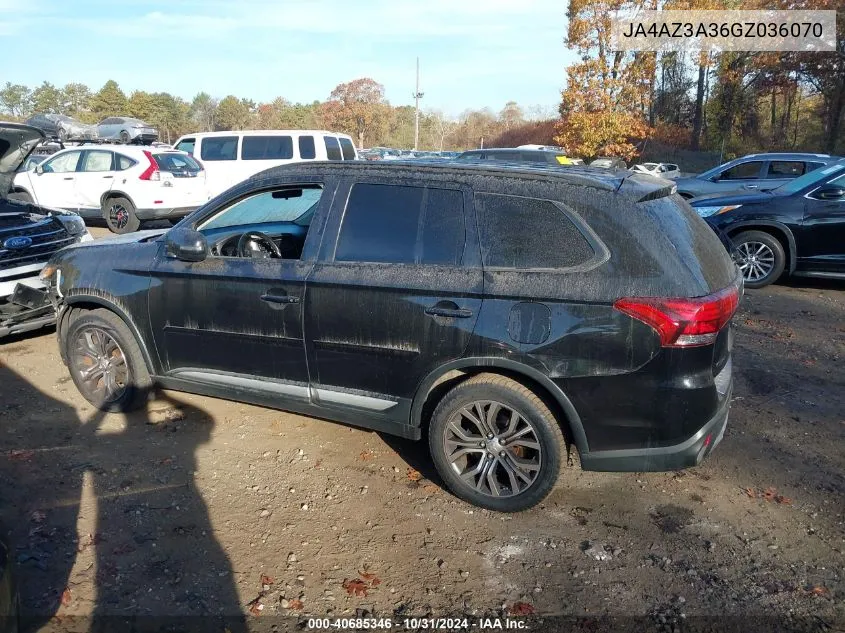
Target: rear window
307,149
267,147
176,163
525,233
332,148
347,148
124,162
219,148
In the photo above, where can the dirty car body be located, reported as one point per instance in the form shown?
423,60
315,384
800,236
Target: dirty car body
503,308
29,236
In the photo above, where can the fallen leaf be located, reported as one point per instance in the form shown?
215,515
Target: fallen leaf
318,463
783,500
431,488
267,580
819,591
124,549
414,475
520,608
355,587
368,454
38,516
750,492
295,605
21,455
165,461
255,607
770,493
66,597
375,581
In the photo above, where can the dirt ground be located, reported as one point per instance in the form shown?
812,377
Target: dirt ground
202,506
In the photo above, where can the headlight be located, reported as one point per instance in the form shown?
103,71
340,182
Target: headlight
73,223
48,271
706,212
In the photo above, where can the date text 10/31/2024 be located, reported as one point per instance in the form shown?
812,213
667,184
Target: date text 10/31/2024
417,624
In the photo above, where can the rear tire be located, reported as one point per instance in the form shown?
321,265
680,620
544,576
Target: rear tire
124,137
105,361
496,444
119,214
760,257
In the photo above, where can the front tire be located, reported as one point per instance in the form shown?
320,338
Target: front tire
119,214
105,362
760,258
496,444
124,137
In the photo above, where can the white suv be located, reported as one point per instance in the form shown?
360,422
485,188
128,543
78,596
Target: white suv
231,157
122,185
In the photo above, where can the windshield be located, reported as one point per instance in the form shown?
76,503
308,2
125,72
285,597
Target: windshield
810,178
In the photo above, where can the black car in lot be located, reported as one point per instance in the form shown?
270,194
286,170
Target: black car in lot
511,312
795,229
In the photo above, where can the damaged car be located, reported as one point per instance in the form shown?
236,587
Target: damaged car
509,315
29,236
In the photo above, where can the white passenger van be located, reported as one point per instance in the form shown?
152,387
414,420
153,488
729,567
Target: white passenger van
231,157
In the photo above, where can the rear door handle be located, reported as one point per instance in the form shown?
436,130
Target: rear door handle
451,313
68,178
285,299
108,176
750,186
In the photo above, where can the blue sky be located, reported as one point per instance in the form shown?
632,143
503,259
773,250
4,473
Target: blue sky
473,53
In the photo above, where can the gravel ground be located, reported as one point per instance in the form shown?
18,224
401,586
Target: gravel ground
201,506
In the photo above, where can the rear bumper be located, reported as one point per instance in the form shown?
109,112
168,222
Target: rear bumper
166,213
688,453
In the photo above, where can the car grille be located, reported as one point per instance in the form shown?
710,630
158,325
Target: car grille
47,235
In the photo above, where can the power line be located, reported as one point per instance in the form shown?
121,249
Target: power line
417,96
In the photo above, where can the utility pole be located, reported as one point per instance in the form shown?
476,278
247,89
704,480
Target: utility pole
417,96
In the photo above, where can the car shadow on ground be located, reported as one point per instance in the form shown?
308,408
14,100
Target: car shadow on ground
110,501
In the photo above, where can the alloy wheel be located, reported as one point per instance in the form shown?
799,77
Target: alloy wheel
493,448
100,365
756,260
118,215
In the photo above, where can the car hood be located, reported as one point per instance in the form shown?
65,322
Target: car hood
723,200
16,144
129,238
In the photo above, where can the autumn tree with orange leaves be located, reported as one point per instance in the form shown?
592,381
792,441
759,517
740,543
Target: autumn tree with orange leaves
358,105
605,105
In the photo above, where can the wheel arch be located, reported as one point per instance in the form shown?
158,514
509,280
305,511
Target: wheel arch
779,231
435,385
85,303
113,193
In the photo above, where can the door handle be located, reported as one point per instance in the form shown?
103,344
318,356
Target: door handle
750,186
108,176
448,312
68,178
285,299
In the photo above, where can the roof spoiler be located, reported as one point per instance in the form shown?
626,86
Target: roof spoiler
645,184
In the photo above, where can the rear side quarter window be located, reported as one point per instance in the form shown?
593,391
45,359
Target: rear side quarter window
332,148
529,233
307,149
347,148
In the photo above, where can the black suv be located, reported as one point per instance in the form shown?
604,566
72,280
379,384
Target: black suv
511,312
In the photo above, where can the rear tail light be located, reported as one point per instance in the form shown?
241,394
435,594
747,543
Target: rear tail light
151,172
684,322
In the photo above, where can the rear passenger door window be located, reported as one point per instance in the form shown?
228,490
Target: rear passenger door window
267,148
219,148
332,148
785,169
402,225
528,233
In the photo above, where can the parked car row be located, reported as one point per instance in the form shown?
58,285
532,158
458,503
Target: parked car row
117,129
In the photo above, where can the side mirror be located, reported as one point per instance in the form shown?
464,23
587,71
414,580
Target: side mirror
186,244
39,168
830,192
